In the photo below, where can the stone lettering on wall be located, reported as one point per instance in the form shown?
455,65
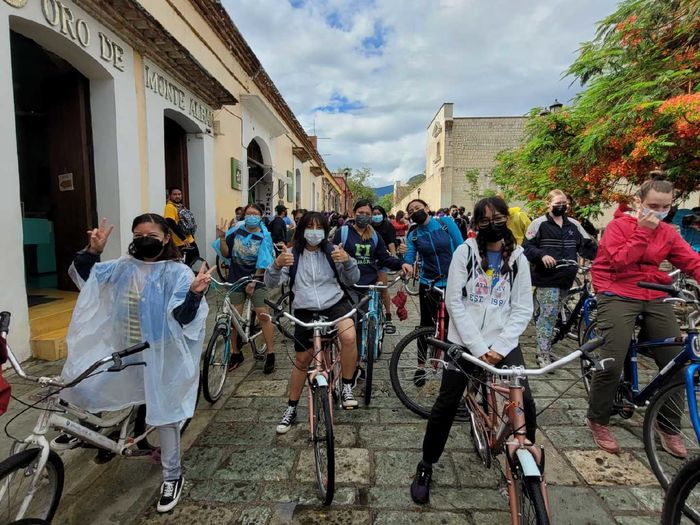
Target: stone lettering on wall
61,17
168,90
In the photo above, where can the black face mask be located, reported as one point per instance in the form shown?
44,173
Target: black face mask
493,233
419,216
559,211
455,214
147,247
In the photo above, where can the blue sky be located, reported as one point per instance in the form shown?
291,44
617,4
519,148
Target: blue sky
369,75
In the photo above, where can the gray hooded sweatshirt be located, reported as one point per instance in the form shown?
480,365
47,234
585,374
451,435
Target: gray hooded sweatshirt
315,285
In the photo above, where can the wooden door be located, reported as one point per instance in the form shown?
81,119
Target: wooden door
176,175
70,168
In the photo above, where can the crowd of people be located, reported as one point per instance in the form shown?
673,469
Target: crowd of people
487,260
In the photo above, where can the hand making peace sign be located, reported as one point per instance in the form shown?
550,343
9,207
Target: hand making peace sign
202,280
98,237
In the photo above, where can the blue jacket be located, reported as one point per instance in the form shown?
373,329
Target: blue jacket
690,234
435,242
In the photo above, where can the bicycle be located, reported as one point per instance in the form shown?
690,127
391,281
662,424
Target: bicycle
416,372
412,285
663,397
218,352
373,329
682,496
495,405
578,314
324,384
31,479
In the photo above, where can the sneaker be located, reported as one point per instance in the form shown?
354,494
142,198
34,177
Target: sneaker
358,375
420,487
235,360
64,442
288,419
419,377
389,327
269,366
602,437
671,443
170,494
348,400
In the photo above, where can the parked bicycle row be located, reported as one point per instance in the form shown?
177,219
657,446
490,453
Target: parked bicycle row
475,302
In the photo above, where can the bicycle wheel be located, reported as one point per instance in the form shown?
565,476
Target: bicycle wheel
531,507
477,404
324,449
371,356
586,366
668,412
417,387
16,475
683,495
222,269
152,440
259,350
215,365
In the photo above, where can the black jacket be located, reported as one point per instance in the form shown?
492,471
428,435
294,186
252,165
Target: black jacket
278,230
546,237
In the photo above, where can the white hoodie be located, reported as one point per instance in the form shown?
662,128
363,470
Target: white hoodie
487,318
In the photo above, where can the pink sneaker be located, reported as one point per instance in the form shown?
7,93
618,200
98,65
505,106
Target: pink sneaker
671,443
602,437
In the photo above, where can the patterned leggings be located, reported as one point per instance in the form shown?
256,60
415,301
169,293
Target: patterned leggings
548,302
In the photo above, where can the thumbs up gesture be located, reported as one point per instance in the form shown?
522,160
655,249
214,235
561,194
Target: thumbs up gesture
285,258
201,282
339,255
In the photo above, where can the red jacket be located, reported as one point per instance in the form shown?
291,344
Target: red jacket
629,253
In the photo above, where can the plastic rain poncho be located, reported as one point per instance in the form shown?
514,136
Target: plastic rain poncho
124,302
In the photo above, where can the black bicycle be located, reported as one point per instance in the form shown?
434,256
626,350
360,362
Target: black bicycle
683,495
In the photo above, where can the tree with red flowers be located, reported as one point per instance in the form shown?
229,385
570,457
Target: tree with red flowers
639,111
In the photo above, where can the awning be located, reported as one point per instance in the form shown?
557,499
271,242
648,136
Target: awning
129,20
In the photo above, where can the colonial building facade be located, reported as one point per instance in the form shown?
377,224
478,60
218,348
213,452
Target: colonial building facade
109,103
460,154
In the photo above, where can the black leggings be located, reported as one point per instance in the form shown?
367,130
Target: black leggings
429,305
452,389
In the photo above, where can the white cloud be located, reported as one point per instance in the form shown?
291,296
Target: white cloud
496,57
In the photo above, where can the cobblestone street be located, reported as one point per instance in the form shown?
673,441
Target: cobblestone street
240,471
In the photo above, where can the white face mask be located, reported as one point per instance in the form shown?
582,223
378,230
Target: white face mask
314,237
661,215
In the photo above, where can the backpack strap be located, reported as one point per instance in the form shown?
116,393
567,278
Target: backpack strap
470,270
295,265
344,235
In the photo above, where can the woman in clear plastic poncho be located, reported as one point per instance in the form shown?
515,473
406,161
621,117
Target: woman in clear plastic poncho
148,295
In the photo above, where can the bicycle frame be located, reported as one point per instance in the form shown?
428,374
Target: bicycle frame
230,315
374,312
320,370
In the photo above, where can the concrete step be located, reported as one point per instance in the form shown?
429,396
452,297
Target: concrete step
50,317
50,346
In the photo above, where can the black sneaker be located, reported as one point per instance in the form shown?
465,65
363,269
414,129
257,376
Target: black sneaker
269,366
420,487
348,400
358,375
288,419
389,327
170,494
419,377
235,360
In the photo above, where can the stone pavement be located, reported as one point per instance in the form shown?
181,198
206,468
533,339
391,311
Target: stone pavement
238,470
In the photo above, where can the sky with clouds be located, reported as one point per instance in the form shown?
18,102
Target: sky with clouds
371,74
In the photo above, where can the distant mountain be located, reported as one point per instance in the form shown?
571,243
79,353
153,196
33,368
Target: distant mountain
384,190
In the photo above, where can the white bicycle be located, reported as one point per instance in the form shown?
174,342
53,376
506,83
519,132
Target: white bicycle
31,478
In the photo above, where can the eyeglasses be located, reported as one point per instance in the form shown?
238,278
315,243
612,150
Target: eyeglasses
499,220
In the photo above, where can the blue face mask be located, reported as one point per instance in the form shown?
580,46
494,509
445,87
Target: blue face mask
252,221
376,219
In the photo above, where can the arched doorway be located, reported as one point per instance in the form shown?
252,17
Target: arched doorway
260,184
54,150
175,146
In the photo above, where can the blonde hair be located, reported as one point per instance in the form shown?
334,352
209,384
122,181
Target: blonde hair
555,193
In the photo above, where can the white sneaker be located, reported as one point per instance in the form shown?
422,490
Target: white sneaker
347,398
170,494
288,419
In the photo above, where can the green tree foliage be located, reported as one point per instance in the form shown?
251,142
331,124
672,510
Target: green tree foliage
639,111
386,202
358,182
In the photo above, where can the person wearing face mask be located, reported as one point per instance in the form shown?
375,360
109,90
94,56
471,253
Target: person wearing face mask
460,221
549,239
631,249
318,275
382,225
435,240
147,295
489,300
250,249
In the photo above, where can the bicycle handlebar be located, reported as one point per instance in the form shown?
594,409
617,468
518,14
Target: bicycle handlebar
455,352
240,282
379,286
563,263
668,288
313,324
4,323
